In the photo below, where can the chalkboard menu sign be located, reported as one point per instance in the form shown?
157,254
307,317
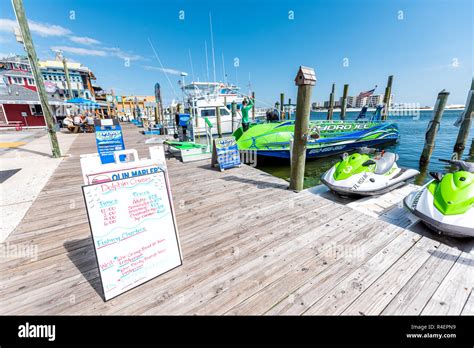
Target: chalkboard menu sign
133,229
225,153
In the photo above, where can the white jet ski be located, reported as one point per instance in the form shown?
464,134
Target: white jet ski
366,173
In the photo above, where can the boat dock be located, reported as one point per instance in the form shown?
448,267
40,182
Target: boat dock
250,246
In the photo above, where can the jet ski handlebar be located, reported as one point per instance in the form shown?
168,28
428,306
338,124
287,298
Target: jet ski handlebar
463,165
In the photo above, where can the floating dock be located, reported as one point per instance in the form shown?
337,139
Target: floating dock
250,246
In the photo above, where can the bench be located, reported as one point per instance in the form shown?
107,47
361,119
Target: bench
17,124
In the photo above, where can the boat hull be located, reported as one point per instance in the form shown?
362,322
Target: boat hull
328,149
273,140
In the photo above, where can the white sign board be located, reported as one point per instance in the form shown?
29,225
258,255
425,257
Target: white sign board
133,229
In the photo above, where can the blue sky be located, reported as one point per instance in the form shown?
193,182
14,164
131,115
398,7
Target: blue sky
426,44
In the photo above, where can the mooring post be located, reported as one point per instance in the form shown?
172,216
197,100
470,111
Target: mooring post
305,80
344,102
253,106
465,126
331,102
218,120
387,99
282,110
289,109
471,151
234,111
433,127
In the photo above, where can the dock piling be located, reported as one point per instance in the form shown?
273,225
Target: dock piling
305,80
331,102
253,106
386,98
282,110
218,120
433,127
465,126
234,112
344,102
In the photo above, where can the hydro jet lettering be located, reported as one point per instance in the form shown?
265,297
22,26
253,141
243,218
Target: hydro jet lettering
331,127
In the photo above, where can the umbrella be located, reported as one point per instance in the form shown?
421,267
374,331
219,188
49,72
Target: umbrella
83,101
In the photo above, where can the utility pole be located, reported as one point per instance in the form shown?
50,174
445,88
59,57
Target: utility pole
344,102
305,80
465,123
31,53
331,102
387,98
68,81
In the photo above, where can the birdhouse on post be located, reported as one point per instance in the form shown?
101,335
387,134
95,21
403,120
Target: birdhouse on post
305,80
305,76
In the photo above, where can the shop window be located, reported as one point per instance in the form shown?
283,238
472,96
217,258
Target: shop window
36,110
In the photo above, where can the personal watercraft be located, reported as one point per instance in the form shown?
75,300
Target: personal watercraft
446,204
367,172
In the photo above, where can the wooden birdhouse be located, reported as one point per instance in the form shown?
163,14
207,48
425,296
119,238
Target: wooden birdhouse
305,76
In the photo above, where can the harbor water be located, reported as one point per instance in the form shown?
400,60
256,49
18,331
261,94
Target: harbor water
412,137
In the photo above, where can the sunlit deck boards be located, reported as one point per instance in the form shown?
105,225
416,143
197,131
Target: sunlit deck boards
250,247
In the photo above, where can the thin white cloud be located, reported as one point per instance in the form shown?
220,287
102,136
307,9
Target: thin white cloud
84,40
42,29
81,51
117,52
165,70
47,30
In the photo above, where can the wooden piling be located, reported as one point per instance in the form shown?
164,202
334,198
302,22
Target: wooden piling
433,127
386,98
465,126
253,106
234,113
33,59
218,119
282,110
289,109
471,151
344,102
305,80
68,80
331,102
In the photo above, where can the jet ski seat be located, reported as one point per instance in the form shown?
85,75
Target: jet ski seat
467,166
385,163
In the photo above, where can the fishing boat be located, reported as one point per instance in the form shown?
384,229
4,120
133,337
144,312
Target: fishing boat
325,139
201,100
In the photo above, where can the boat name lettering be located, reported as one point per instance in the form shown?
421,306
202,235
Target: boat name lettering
343,127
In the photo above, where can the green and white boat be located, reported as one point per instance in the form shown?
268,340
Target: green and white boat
326,137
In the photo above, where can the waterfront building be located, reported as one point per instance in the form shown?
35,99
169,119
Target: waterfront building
21,104
16,70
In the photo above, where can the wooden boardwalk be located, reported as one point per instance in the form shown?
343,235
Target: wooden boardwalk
249,246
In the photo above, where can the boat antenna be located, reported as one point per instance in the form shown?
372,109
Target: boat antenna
223,69
212,48
249,84
192,67
162,68
207,61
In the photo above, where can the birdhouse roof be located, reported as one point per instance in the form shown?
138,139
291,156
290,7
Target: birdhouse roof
305,76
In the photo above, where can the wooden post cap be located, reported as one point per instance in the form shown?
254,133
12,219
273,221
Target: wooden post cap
305,76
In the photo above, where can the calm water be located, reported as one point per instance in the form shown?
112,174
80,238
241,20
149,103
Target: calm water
409,147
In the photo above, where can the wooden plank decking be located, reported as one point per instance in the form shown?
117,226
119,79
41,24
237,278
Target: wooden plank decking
250,246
